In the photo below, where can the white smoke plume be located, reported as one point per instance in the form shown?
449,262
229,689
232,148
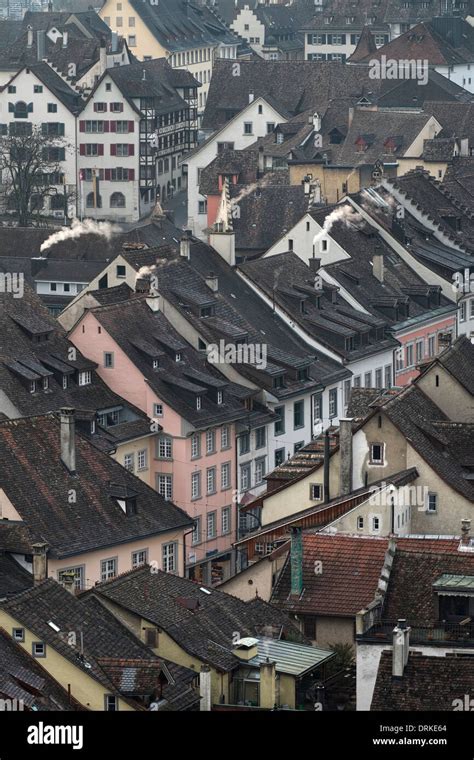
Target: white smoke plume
249,189
344,214
78,228
144,272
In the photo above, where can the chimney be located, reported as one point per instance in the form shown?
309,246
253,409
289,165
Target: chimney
314,264
350,116
68,578
261,160
251,97
40,44
465,532
68,441
245,649
316,122
345,455
205,688
378,265
267,685
64,39
224,244
144,75
296,561
153,302
30,37
185,245
401,648
212,282
40,562
327,450
102,56
37,263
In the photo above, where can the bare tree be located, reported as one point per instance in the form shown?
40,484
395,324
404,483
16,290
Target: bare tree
30,171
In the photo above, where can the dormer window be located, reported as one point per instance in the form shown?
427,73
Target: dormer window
303,374
279,138
85,378
65,382
178,357
45,383
278,382
33,386
198,402
156,363
220,397
207,311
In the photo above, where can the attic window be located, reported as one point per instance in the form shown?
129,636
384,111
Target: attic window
279,138
198,402
207,311
156,363
220,397
178,357
45,383
33,386
84,378
65,382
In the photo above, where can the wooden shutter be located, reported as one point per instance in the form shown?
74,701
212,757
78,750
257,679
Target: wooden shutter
113,126
131,126
82,126
113,150
101,149
131,150
82,149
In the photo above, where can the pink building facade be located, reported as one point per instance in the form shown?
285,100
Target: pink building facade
422,339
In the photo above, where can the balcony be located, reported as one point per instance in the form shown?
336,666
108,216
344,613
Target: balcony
438,633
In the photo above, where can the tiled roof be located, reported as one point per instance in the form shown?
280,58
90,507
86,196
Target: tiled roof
459,178
365,46
439,149
202,622
457,119
13,577
351,569
428,683
160,82
31,461
458,360
23,678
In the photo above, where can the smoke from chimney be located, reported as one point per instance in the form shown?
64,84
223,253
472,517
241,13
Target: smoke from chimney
78,228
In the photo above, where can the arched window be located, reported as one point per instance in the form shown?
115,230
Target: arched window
117,200
57,202
90,201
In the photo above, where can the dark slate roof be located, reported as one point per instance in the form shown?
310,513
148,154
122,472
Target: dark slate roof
202,622
160,83
459,178
96,520
143,335
288,279
179,25
457,119
243,163
458,360
365,46
68,96
23,678
428,683
417,564
362,400
407,93
9,32
13,577
443,444
439,149
422,42
352,567
109,648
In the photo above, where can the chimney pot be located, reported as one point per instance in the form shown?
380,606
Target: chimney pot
314,264
212,282
68,440
40,562
465,532
185,245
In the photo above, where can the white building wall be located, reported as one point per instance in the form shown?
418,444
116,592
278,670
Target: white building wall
247,26
461,74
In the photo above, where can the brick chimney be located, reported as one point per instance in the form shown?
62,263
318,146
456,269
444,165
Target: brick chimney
465,532
40,562
401,648
68,440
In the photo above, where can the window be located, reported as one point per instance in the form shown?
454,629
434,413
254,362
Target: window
129,462
142,458
165,486
119,21
244,443
298,446
117,200
270,127
347,391
211,525
248,128
360,523
210,441
37,88
111,703
471,308
432,502
368,379
198,403
409,355
462,312
259,470
139,558
280,421
18,634
376,453
379,378
158,410
108,86
315,491
333,403
309,627
122,127
85,378
375,523
420,350
196,485
132,40
108,569
225,519
120,271
108,359
116,107
245,477
225,476
52,108
202,207
388,376
165,447
225,437
260,438
53,129
298,414
195,446
196,534
38,649
211,480
170,557
220,397
279,457
11,89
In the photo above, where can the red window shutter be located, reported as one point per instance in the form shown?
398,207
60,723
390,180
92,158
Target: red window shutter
131,150
101,149
131,175
113,150
107,174
106,126
82,149
82,126
113,126
131,126
95,107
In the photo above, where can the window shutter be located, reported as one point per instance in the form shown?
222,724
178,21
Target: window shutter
82,149
113,150
44,129
131,174
106,126
131,150
131,126
62,154
113,126
101,149
82,126
61,130
329,39
95,107
107,174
